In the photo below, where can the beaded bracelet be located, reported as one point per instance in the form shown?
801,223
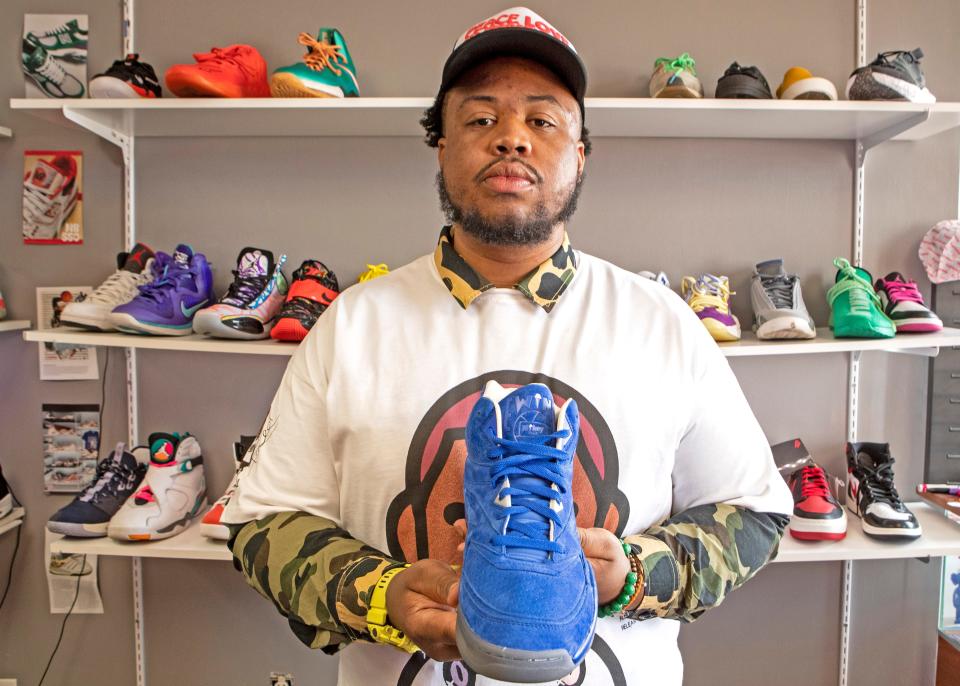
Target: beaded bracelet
629,590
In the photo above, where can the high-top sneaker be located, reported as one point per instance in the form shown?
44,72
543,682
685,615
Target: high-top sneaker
166,306
134,269
236,71
210,525
312,291
522,562
50,194
709,297
126,78
817,516
118,476
872,496
778,308
253,301
894,75
904,305
327,70
855,309
173,492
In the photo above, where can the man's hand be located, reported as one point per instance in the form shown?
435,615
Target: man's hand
610,565
422,602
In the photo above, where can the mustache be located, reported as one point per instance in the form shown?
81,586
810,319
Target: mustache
512,160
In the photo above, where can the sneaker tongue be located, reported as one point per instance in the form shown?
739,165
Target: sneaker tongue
313,268
182,255
875,457
771,268
527,413
895,276
137,258
45,176
126,458
254,262
163,448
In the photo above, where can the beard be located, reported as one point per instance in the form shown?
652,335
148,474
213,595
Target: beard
512,231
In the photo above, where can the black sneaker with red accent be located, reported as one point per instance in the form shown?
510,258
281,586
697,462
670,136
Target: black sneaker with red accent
126,78
872,496
817,515
312,290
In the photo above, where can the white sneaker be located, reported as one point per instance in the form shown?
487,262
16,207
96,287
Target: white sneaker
778,308
50,193
134,269
210,525
172,493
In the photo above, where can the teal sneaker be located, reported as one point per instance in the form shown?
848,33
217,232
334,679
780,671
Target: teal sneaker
326,71
855,308
47,73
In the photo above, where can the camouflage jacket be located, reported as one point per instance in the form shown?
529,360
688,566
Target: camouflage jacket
320,578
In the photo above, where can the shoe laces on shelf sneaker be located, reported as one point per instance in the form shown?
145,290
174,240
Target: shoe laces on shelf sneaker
678,64
813,482
902,291
374,271
111,473
878,482
218,58
537,467
244,289
860,289
117,287
321,55
173,277
708,291
779,288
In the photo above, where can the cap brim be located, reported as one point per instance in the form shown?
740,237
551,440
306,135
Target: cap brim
518,42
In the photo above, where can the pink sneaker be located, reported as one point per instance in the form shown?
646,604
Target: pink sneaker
904,305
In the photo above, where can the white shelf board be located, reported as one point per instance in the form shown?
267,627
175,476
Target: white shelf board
940,537
5,132
748,347
606,117
12,520
188,545
14,325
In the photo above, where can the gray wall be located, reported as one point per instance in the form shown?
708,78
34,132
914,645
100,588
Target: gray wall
678,205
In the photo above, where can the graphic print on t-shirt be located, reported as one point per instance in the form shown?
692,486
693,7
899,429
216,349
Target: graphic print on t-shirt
419,522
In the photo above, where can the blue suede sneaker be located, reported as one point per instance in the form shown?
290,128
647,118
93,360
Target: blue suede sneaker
528,598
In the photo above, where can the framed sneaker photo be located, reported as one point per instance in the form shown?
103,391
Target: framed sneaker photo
53,55
52,197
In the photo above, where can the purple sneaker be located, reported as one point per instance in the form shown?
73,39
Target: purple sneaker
709,297
166,307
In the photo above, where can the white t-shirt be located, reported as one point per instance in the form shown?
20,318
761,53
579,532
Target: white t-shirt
366,429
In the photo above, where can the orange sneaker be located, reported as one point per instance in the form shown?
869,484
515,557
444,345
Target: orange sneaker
237,71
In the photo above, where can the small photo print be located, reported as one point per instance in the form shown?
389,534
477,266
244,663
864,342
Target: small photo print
53,55
950,603
63,361
53,197
71,444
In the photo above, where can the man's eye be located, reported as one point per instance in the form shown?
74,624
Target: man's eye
482,121
541,123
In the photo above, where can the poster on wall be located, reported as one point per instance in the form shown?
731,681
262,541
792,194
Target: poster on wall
63,361
53,55
71,444
52,197
64,571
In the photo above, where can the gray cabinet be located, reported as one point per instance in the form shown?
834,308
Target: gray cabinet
943,389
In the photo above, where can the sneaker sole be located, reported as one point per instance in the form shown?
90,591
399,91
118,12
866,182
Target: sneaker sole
874,86
140,533
195,86
819,529
211,324
924,325
720,332
782,328
78,530
741,86
678,92
511,664
218,532
114,88
88,323
814,88
127,323
886,533
285,85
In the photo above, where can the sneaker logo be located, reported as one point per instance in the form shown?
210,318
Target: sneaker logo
188,312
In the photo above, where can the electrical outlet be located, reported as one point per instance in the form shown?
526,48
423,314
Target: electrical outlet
8,682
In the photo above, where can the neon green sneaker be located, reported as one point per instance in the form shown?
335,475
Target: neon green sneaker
855,309
326,71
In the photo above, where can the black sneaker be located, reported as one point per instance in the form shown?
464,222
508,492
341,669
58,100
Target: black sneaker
127,78
6,500
872,496
894,75
743,82
312,291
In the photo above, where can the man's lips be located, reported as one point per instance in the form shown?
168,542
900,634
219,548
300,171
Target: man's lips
508,184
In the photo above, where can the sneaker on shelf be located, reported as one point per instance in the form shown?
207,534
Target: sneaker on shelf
172,494
237,71
134,269
374,271
743,82
817,515
894,75
800,84
69,564
709,297
903,303
210,525
47,73
872,496
675,78
855,308
117,477
659,277
252,302
312,290
327,70
6,499
3,307
66,42
522,560
50,193
778,309
167,305
126,78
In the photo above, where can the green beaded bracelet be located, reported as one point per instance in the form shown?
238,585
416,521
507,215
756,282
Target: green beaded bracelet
626,593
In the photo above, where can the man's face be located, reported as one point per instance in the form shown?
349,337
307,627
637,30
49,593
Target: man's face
511,156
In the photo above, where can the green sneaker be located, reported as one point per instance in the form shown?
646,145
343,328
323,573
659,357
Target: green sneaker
66,42
855,309
47,73
326,71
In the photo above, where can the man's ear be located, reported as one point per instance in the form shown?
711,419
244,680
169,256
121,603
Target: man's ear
441,148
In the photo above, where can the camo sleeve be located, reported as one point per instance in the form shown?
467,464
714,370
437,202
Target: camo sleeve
317,576
693,560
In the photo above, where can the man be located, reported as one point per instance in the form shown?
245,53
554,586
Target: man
358,467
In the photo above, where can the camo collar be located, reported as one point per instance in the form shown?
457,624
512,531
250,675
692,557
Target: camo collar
543,286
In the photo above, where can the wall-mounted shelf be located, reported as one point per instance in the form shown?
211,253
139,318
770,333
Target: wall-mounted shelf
14,325
188,545
606,117
748,347
5,132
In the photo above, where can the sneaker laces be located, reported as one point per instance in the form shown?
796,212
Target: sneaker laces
62,29
885,58
173,277
813,482
682,63
860,289
708,291
217,58
244,289
321,55
110,475
373,271
779,288
878,482
117,287
903,291
51,69
529,459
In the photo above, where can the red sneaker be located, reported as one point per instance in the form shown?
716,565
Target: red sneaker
817,516
312,291
237,71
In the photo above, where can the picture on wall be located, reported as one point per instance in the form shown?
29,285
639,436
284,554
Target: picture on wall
63,361
53,197
71,443
53,55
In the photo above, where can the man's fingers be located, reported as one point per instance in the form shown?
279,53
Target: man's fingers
437,581
436,627
598,543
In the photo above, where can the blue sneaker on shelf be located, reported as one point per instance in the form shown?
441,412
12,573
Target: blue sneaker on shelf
522,563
